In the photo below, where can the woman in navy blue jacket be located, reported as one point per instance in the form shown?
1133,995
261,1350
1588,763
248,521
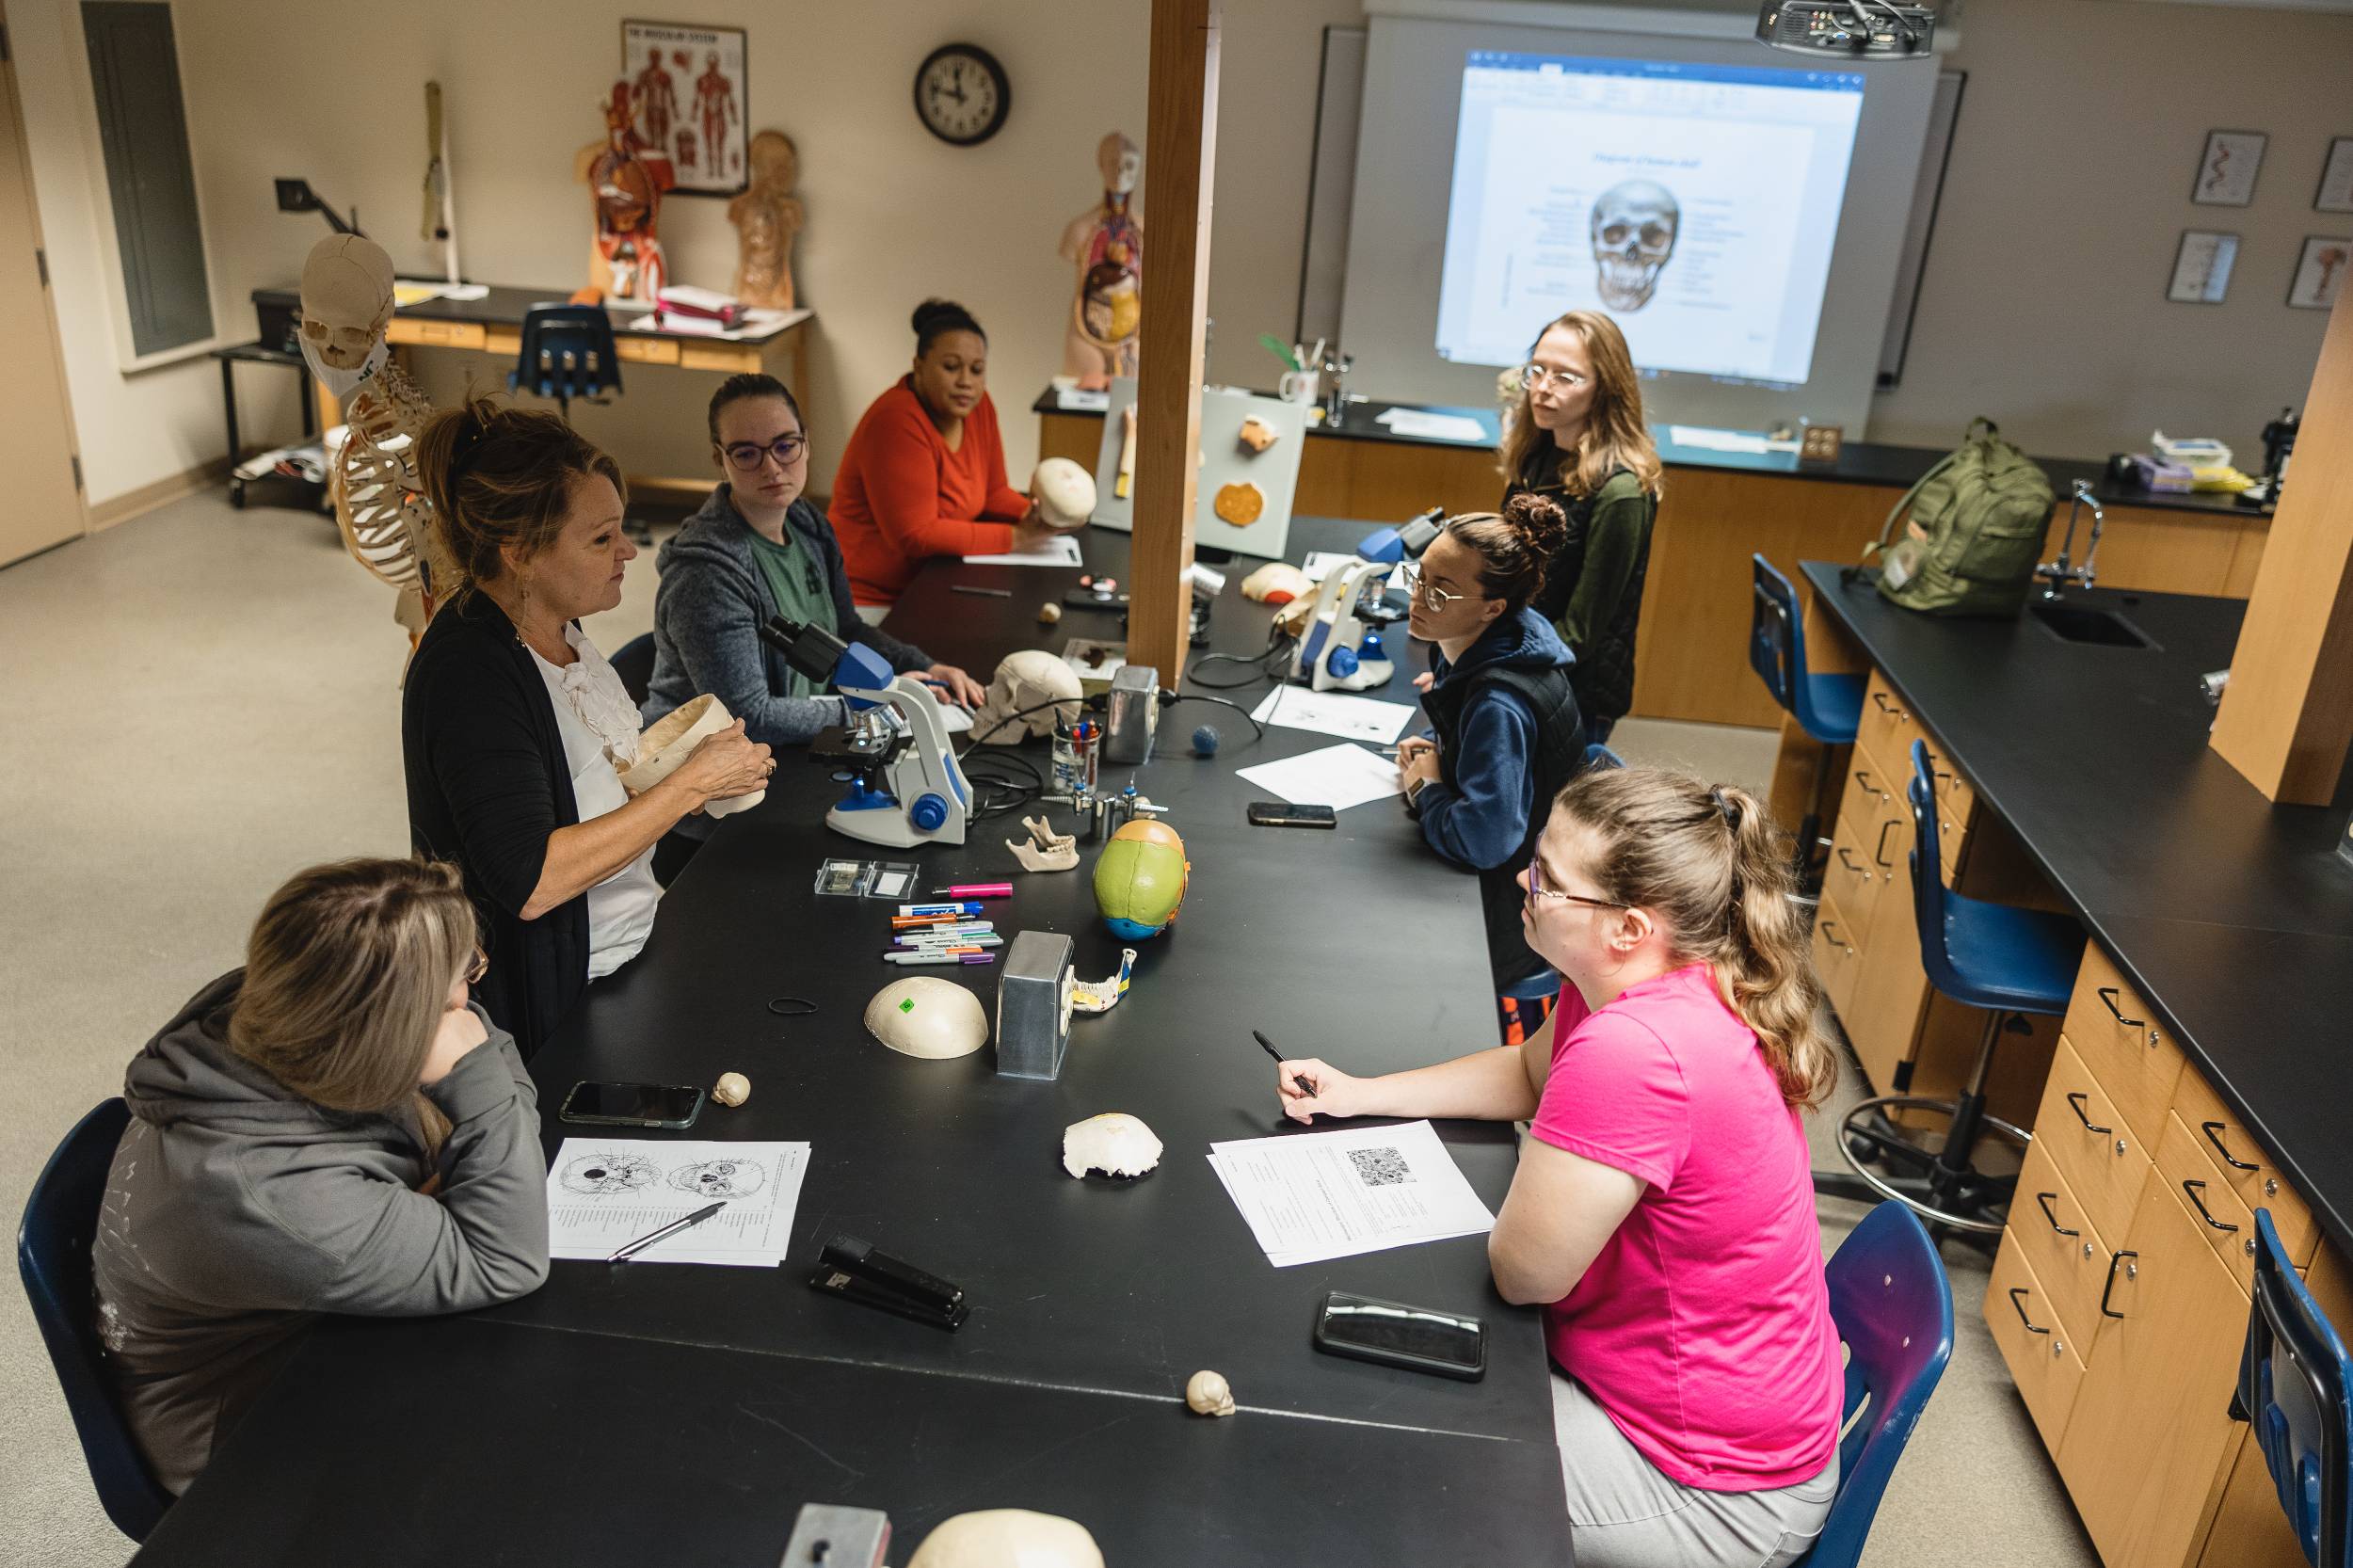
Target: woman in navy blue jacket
1505,732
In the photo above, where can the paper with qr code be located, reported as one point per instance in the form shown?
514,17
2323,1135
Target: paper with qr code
1315,1195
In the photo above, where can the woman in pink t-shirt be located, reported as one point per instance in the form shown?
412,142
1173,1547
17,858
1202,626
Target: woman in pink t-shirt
1663,1208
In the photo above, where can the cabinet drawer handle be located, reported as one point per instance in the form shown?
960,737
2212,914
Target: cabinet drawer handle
2042,1200
1879,851
2108,994
2114,1259
1830,935
1848,860
2194,1188
2032,1327
1864,778
2076,1102
1878,700
2214,1135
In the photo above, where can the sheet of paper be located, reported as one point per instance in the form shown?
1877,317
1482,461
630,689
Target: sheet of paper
1423,423
605,1192
1060,551
955,719
1321,560
1074,398
1710,440
1315,1195
1338,776
1350,717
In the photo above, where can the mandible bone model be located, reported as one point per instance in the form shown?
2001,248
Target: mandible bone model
1633,234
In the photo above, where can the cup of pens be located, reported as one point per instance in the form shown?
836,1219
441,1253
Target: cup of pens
1299,386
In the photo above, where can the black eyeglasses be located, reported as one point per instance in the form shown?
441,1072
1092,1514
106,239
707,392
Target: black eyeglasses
1536,888
786,450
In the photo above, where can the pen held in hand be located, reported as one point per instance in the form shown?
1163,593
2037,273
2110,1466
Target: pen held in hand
1300,1080
632,1249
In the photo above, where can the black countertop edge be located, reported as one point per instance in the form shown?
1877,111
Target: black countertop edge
1858,463
2154,950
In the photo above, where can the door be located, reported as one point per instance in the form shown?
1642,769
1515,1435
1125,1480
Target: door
37,450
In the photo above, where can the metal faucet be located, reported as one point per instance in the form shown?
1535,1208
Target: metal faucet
2059,571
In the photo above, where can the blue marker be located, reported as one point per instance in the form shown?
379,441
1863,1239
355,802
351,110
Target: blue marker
969,906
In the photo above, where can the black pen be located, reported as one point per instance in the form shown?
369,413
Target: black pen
632,1249
1300,1080
985,593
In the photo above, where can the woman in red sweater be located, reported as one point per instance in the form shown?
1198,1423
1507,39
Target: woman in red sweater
924,472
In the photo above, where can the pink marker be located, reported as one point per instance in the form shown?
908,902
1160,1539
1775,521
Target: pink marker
976,890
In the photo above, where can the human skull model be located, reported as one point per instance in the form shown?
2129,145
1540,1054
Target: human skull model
1065,491
1209,1393
346,299
1008,1538
1276,582
1634,233
927,1016
1121,162
1026,679
1116,1144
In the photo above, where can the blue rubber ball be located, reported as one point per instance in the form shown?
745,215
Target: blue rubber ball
1205,742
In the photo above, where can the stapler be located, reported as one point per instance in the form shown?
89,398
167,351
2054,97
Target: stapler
906,786
854,1271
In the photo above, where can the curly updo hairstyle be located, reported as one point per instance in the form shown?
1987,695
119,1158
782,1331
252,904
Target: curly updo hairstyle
1515,546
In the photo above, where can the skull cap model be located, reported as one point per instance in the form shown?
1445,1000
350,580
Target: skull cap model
1008,1538
346,298
1276,582
1634,233
671,738
1115,1143
1028,679
1140,880
1064,491
927,1016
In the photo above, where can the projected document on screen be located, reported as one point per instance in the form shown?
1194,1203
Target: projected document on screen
1695,203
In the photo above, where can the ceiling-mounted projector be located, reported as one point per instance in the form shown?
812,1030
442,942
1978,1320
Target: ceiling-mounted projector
1856,29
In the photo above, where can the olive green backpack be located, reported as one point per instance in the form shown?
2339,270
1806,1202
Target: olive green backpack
1970,531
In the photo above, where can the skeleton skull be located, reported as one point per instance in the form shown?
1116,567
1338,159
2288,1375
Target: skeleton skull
1026,679
1008,1538
1120,162
346,299
1116,1144
1634,233
1065,491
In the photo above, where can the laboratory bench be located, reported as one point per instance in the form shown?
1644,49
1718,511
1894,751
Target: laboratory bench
2197,1074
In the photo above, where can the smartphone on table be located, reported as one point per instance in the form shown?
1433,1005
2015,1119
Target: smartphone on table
666,1105
1415,1337
1275,813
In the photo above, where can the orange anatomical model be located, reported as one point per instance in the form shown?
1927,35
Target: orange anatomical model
627,180
1106,245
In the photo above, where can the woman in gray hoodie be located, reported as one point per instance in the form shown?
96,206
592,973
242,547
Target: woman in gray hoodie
334,1127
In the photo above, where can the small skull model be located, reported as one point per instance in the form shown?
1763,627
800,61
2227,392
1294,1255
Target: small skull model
1209,1393
1032,679
1116,1144
1634,233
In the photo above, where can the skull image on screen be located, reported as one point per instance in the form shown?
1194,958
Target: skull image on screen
1633,234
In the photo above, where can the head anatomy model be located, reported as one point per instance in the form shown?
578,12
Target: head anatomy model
766,216
379,506
1106,244
627,179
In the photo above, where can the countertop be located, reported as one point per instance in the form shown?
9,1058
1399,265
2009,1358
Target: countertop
2231,916
1859,462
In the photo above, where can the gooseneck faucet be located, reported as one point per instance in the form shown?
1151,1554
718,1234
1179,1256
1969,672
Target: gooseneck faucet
2059,571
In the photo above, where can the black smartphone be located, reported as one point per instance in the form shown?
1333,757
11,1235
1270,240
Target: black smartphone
1395,1335
1274,813
670,1105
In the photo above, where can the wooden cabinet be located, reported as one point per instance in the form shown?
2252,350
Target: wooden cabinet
2060,1242
2042,1358
2078,1129
2250,1530
2116,1034
2150,1426
1887,729
1835,953
2244,1164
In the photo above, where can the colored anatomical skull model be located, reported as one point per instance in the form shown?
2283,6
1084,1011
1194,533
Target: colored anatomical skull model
1140,880
1634,233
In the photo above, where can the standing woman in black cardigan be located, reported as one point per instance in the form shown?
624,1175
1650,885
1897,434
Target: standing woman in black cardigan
514,728
1577,437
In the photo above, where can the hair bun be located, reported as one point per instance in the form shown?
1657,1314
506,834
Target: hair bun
1540,522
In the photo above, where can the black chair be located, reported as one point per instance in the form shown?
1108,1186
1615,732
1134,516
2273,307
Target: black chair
634,664
568,351
52,1256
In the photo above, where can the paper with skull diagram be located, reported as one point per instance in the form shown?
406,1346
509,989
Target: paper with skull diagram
1309,1196
607,1192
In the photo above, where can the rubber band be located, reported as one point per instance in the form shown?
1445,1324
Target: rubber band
792,1007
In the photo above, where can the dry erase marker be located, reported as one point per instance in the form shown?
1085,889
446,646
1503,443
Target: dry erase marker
968,906
953,928
977,939
978,890
924,958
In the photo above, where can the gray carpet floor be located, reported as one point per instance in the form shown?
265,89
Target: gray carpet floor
206,700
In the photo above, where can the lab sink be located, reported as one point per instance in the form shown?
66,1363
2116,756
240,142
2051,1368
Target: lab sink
2084,623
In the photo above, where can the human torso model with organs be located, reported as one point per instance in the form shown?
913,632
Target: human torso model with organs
1106,246
766,218
627,181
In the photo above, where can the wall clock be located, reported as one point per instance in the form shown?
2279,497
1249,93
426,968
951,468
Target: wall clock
961,94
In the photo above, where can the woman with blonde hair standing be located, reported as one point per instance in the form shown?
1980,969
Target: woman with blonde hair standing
1577,436
1662,1213
337,1127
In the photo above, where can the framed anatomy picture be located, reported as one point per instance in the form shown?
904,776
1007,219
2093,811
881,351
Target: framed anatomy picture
2227,168
686,88
2320,272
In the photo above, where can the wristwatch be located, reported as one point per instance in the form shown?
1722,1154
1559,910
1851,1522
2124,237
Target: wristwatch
1413,794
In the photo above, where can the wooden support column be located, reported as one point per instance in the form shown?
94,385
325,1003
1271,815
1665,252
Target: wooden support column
2287,717
1180,150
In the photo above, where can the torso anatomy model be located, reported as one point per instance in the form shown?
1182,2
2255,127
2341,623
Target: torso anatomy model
387,526
1106,245
766,218
627,181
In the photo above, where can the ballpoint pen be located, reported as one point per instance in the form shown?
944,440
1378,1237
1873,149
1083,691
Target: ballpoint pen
632,1249
1300,1080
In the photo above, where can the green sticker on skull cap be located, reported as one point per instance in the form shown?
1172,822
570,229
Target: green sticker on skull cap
906,1004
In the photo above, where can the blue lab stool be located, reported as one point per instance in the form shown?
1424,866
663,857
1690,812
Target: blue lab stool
1826,706
52,1256
1893,1310
2007,960
2295,1387
568,351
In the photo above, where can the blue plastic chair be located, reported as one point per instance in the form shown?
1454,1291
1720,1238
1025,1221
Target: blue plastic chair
1599,756
568,351
2007,960
1826,706
634,664
1895,1311
52,1256
2295,1387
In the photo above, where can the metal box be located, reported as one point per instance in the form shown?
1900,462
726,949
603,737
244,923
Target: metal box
1134,716
1033,1000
